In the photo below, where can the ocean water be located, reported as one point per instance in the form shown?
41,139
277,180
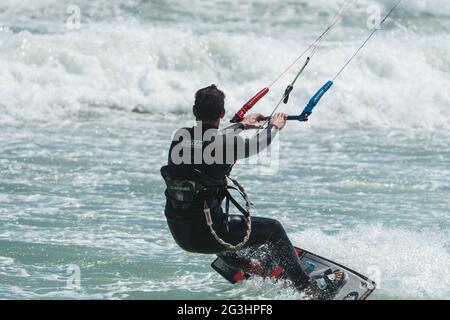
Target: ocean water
365,183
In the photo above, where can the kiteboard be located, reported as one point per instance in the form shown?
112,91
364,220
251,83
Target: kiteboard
355,286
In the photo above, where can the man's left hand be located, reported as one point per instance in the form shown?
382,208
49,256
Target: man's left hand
251,121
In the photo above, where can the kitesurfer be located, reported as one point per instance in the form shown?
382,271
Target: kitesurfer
196,186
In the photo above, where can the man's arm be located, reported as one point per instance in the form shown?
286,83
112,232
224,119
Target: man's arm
245,148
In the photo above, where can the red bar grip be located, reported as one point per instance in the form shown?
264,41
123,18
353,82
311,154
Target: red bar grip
250,104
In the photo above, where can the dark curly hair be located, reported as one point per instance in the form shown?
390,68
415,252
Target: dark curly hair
209,103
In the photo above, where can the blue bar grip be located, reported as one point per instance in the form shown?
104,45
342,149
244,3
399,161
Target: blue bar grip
314,101
289,118
292,118
316,98
311,104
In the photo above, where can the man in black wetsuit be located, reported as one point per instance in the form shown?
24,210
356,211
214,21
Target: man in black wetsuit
188,157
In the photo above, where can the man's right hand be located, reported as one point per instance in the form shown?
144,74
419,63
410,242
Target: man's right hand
279,120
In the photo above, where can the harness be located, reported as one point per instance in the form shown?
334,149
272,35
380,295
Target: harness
189,190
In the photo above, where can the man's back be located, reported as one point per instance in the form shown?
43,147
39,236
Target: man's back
188,148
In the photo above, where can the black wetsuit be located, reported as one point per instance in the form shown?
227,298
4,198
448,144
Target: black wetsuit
190,230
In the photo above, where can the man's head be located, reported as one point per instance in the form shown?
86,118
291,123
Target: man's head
209,104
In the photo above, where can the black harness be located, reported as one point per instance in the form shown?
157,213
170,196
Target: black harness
190,191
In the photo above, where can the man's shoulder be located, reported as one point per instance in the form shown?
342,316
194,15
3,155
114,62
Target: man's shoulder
182,132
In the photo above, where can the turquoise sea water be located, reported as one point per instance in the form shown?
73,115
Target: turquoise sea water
366,183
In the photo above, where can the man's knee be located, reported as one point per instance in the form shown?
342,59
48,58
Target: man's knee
277,228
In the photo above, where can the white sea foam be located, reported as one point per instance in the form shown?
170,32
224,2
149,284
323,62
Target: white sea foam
405,263
398,81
